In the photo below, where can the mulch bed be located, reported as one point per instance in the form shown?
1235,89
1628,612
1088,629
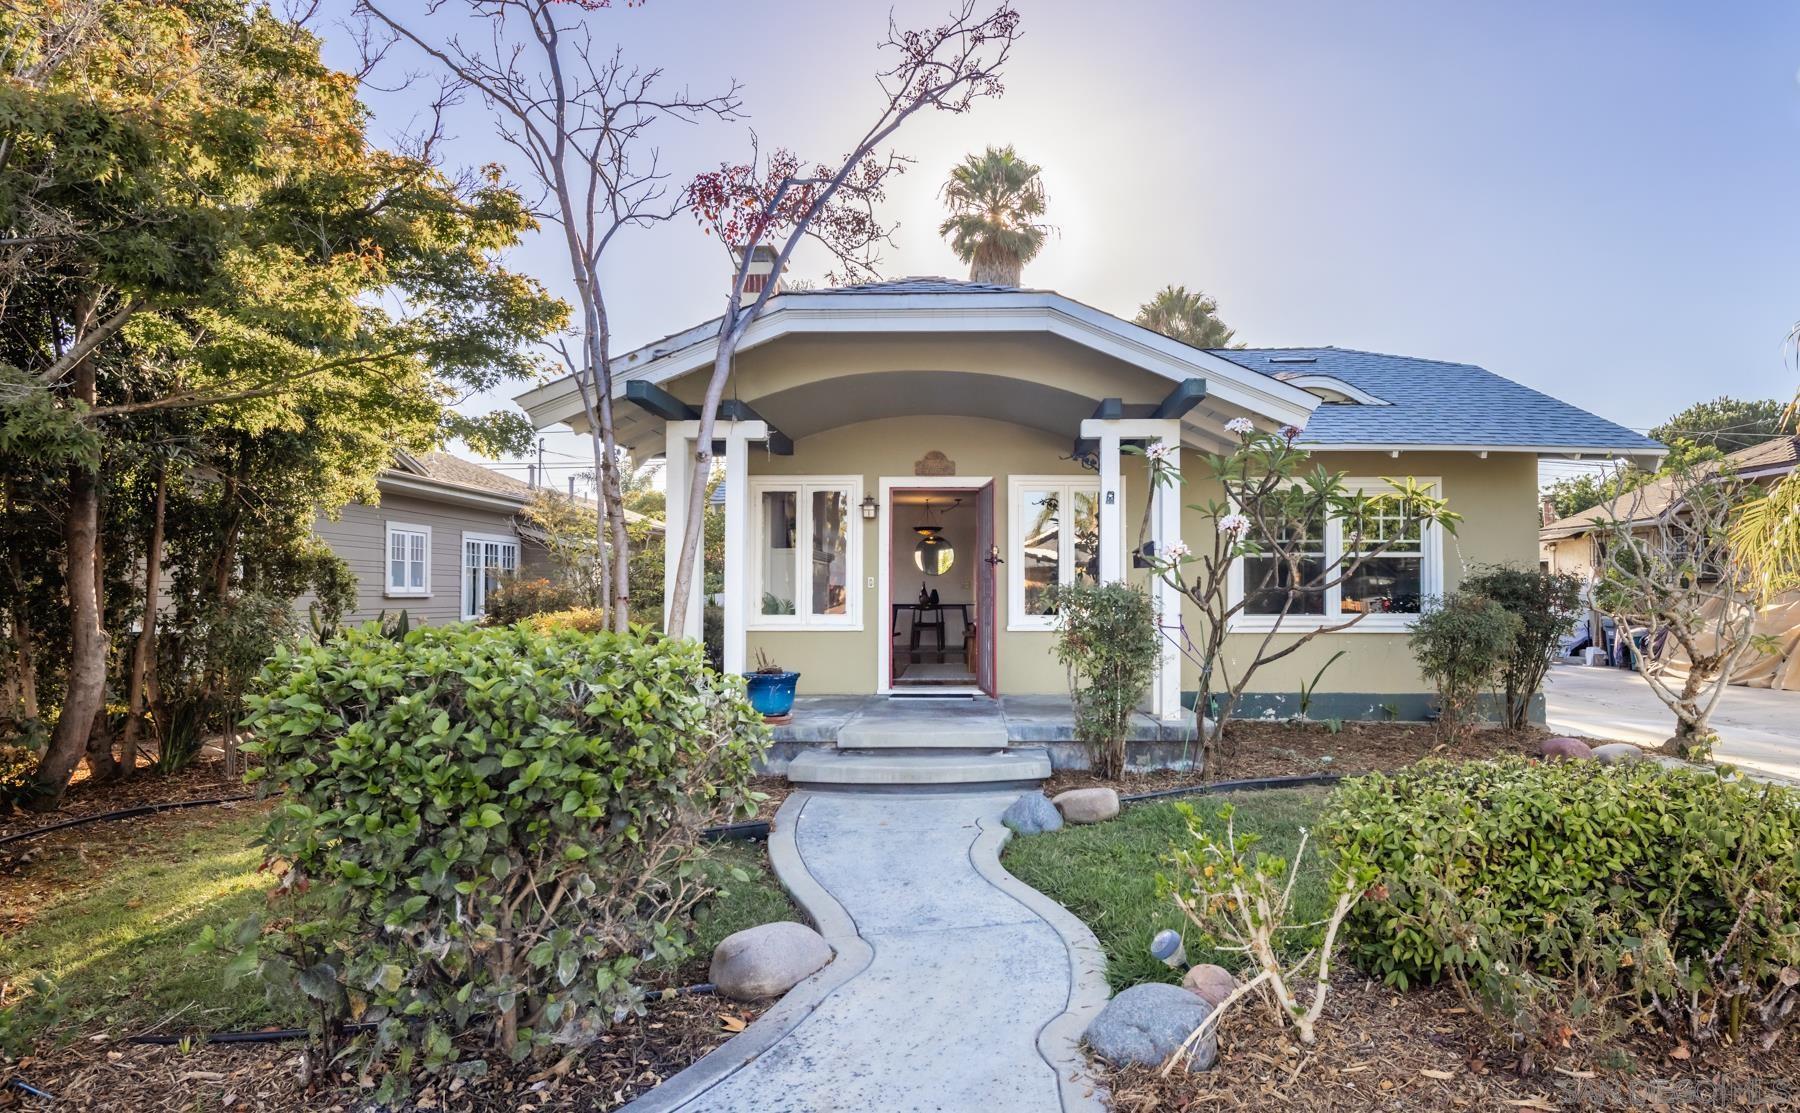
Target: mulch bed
634,1057
1422,1050
1277,749
203,780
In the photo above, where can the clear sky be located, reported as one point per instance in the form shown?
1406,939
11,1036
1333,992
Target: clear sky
1594,199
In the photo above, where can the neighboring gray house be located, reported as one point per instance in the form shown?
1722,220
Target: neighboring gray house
442,536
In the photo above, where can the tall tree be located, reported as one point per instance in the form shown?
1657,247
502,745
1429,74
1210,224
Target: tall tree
1727,424
194,223
947,68
996,200
1191,317
581,120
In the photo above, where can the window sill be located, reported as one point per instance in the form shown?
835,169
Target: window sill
1031,628
791,627
1374,624
391,594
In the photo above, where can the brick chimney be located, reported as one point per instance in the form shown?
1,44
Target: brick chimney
762,272
1547,507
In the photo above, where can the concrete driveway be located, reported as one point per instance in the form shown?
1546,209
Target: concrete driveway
1758,729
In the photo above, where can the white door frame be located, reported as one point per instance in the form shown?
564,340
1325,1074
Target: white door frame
884,654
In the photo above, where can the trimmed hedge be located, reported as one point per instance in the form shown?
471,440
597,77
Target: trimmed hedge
1671,854
498,823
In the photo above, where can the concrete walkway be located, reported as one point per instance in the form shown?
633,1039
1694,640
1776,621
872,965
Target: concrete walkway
1759,729
955,986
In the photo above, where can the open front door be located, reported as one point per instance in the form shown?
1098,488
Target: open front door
987,582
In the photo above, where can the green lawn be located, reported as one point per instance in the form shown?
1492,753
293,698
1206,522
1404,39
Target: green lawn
110,947
1106,873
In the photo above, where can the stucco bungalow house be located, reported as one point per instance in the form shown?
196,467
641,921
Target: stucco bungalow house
909,464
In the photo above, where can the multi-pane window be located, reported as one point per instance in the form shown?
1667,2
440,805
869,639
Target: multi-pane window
807,536
1396,582
487,559
408,560
1055,539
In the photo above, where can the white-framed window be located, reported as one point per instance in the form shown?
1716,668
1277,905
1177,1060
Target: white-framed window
488,558
806,561
1053,537
1390,589
408,560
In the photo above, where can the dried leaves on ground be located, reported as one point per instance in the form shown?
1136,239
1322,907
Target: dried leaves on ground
100,1074
1419,1051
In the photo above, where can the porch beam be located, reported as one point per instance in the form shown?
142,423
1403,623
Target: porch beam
1109,409
1187,394
655,400
733,410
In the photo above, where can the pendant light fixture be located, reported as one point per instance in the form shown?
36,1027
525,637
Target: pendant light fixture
933,555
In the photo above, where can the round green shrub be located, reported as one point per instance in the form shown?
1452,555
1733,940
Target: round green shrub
1683,856
495,824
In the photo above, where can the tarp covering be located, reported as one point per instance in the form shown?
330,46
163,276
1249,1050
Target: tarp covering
1779,670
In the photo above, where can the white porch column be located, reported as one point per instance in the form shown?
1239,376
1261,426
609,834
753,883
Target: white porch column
1165,531
1165,523
738,435
678,472
1112,517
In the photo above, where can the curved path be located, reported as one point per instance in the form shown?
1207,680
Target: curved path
955,987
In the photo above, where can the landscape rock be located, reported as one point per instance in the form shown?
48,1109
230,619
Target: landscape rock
1560,748
1618,753
1032,814
1147,1023
1211,983
1087,805
767,960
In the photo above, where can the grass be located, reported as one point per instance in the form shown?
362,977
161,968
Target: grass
110,946
1106,873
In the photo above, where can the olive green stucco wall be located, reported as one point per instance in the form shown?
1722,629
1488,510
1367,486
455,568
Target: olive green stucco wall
1496,496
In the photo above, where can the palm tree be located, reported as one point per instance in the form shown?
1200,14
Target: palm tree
1190,317
994,200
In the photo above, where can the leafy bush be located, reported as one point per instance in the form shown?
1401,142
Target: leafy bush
1106,637
17,764
498,825
584,620
1461,644
519,598
1545,603
1682,886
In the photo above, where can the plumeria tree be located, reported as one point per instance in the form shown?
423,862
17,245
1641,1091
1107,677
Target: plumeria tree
780,202
1268,515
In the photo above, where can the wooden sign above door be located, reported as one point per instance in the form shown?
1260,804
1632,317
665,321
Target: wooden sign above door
934,463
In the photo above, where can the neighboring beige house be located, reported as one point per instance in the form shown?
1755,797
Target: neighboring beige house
444,533
1576,545
870,428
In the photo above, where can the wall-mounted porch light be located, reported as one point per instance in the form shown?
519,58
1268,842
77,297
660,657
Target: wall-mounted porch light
869,506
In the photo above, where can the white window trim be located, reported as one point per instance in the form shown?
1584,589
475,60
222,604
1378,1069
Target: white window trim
462,564
1431,577
387,562
804,486
1016,486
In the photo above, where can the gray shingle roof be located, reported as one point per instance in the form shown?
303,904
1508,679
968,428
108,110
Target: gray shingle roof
1433,402
1773,457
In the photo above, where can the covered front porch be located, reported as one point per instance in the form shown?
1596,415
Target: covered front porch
883,722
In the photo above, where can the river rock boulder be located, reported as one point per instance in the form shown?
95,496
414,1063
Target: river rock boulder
1210,983
1618,753
767,960
1147,1023
1087,805
1564,749
1032,814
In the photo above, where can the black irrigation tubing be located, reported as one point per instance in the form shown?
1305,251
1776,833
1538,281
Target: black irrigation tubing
278,1035
1253,784
122,813
757,829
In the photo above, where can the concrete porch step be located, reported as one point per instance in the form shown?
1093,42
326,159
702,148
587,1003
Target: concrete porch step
919,767
926,724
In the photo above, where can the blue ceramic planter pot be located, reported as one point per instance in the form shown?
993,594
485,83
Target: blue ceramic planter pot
772,693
